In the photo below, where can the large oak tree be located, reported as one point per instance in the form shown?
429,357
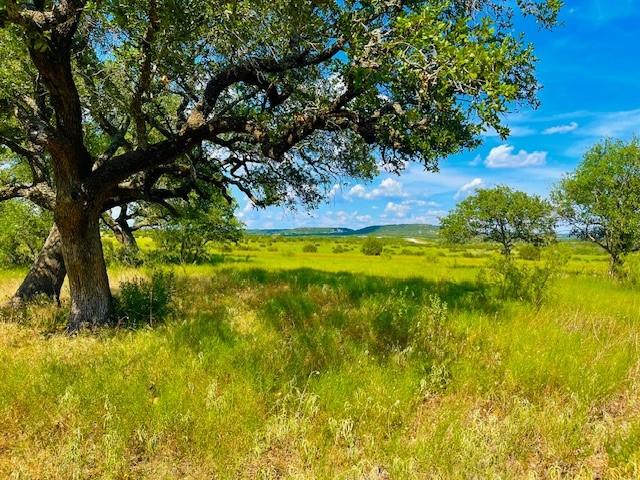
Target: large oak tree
106,103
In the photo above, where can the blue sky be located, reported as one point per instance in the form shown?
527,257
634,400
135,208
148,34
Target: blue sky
590,72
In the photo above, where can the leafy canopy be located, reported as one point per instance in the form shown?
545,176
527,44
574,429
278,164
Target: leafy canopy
272,98
600,201
500,215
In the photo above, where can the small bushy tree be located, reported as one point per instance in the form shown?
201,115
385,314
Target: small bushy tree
372,247
195,224
500,215
309,248
600,201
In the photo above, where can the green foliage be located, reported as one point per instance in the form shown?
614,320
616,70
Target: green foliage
601,199
372,246
117,254
309,248
145,301
464,61
23,230
196,224
500,215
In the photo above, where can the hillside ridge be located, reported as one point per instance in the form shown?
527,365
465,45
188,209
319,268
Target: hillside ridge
396,230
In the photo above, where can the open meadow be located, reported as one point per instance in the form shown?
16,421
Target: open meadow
278,361
301,239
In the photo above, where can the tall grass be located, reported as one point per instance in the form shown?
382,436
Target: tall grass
323,365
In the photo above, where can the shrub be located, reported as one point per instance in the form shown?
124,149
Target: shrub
339,249
432,338
507,280
372,246
309,248
128,256
145,301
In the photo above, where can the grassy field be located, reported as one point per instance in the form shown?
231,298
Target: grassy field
284,364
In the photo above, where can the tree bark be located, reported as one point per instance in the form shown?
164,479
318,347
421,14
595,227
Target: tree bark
91,302
126,236
121,228
615,266
47,273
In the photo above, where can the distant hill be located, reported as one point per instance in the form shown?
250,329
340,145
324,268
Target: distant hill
403,230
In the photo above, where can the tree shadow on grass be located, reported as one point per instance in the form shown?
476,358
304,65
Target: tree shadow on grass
308,320
460,295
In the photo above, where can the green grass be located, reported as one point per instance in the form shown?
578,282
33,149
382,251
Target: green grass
284,364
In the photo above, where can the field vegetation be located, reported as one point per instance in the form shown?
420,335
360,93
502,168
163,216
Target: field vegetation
276,360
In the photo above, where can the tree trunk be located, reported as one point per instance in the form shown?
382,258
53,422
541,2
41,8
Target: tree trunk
47,273
124,234
615,266
121,229
91,302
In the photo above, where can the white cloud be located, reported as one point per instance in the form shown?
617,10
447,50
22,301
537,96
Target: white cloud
245,210
389,187
503,156
398,210
431,217
357,191
570,127
421,203
469,186
334,191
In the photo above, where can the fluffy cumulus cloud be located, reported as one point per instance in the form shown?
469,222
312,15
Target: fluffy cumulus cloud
570,127
504,156
388,187
397,210
357,191
468,187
